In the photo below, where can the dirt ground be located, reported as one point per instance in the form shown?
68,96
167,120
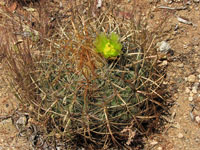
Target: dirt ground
183,76
9,134
182,132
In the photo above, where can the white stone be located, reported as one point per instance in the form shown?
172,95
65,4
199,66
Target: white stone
164,47
190,98
164,63
196,85
185,46
180,65
22,121
191,94
187,90
160,148
194,90
180,135
197,118
191,78
196,1
168,1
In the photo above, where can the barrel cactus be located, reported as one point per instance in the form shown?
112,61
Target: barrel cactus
78,92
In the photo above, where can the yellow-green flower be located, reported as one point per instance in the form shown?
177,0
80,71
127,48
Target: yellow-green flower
108,46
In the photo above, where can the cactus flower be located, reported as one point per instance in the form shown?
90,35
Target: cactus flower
108,46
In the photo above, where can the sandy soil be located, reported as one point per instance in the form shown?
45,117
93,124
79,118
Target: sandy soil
9,134
183,76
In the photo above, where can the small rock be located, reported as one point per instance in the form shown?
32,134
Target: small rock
191,94
164,47
191,116
199,76
180,65
180,135
191,78
165,83
21,122
185,46
194,90
58,148
197,118
187,90
190,98
31,108
164,63
58,136
196,1
168,1
196,85
160,148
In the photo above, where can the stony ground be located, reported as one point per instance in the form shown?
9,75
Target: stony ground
182,131
183,76
9,134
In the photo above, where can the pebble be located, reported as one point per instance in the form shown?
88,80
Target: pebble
164,47
191,94
187,90
196,1
180,65
21,122
180,135
58,136
190,98
196,85
185,46
197,118
160,148
31,108
168,1
191,78
194,90
164,63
